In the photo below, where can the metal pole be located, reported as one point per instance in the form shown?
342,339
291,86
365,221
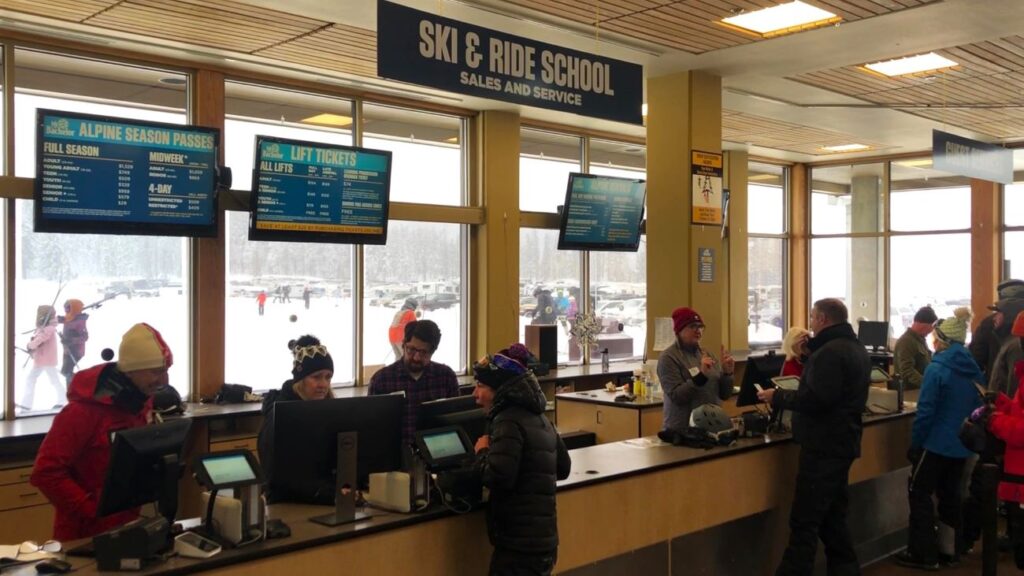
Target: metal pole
989,534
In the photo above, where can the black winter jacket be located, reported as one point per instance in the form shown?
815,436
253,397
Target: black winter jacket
525,458
828,404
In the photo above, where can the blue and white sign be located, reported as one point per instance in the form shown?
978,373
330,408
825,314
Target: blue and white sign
705,264
959,155
103,172
422,48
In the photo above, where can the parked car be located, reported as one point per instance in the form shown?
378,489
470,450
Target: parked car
438,301
145,288
527,304
117,288
634,312
610,309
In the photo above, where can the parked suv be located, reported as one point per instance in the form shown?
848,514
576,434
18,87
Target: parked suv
438,301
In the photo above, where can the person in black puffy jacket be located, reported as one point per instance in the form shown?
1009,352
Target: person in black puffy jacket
827,408
519,461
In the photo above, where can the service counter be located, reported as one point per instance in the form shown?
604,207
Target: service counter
25,513
597,411
657,508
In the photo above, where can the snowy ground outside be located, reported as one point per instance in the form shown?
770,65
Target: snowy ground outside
256,349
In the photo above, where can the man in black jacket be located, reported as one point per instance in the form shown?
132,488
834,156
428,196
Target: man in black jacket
519,462
827,408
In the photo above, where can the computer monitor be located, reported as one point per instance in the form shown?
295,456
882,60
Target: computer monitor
758,370
306,444
873,334
145,465
461,411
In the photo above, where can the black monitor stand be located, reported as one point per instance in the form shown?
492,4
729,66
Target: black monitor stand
168,502
345,485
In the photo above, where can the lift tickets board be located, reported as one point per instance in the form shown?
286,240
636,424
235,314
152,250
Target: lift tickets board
602,213
311,192
101,175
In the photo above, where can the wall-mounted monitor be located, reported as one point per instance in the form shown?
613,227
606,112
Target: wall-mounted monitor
103,175
602,213
312,192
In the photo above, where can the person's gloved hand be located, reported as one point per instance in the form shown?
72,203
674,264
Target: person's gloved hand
914,454
981,415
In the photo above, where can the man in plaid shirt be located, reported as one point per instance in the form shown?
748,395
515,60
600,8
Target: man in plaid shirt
414,374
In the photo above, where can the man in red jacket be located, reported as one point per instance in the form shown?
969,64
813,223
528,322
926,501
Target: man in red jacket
71,465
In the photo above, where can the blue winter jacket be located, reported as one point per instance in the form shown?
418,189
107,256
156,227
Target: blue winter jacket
948,395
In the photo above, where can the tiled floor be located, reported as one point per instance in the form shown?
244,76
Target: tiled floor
971,566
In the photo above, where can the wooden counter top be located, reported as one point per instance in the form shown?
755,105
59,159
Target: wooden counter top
607,398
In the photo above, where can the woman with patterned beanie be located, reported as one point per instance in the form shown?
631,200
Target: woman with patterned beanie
312,370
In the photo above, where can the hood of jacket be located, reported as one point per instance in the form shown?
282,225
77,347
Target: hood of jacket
957,359
522,391
105,384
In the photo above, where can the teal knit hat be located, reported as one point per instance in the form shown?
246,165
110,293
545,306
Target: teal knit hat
954,329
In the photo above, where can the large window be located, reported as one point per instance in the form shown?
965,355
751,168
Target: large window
118,280
306,288
430,281
926,237
553,283
1013,225
545,161
766,254
618,280
427,154
933,266
848,246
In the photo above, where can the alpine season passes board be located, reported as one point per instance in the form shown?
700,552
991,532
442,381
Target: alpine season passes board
109,175
309,192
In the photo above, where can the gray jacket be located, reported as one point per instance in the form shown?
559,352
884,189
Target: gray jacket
683,392
1002,379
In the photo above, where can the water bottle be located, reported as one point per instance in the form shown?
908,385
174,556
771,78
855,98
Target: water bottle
604,360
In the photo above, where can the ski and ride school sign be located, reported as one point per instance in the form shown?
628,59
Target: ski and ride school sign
429,50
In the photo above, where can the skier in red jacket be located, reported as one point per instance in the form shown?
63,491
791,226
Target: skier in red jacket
71,464
1007,424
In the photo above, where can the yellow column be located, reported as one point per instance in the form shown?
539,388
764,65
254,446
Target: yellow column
494,246
734,250
986,241
800,201
684,114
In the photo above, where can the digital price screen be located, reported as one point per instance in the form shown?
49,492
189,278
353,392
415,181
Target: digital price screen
103,175
602,213
312,192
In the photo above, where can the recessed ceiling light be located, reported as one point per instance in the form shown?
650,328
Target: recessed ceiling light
173,81
328,120
911,64
919,163
846,148
782,19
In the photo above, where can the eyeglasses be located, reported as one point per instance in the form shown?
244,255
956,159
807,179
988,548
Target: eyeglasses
420,352
31,547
